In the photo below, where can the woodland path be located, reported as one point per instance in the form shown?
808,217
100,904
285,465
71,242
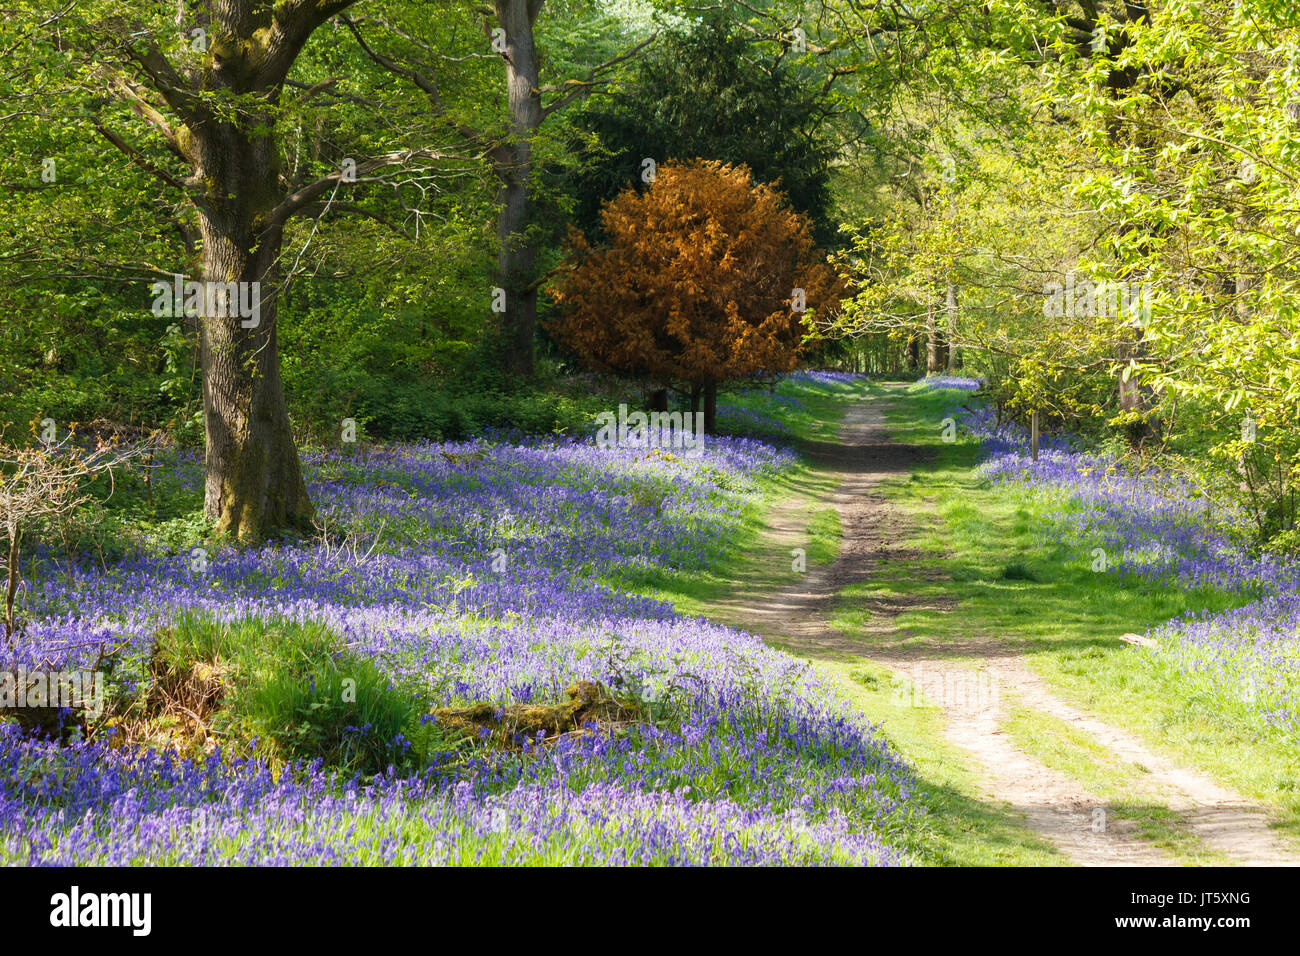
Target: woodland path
972,680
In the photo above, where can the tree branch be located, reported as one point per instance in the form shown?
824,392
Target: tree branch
292,204
292,24
585,87
426,84
140,159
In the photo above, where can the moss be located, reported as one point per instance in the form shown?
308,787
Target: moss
239,57
185,142
588,704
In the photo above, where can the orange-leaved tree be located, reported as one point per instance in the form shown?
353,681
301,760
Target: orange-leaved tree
704,277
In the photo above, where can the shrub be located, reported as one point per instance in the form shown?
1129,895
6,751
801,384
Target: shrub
290,687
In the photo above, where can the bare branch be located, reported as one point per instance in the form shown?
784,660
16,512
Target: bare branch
294,203
426,83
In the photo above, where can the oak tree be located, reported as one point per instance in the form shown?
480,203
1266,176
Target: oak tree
207,79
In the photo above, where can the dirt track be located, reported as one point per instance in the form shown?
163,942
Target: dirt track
972,680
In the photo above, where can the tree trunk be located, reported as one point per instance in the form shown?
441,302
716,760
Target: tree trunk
934,358
1134,397
219,112
711,408
517,256
659,400
253,481
952,326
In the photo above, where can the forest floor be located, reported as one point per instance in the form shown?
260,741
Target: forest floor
1017,773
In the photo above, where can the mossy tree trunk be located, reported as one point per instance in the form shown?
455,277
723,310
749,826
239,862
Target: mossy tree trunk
935,359
216,109
253,479
953,361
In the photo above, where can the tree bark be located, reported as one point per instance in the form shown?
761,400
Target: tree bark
253,477
711,408
517,255
1133,397
219,113
952,326
253,480
659,400
934,358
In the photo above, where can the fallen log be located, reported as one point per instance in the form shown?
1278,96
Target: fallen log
589,703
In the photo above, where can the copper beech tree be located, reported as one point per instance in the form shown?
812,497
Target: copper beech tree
705,277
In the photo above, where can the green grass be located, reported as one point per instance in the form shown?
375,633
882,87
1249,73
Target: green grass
961,827
1013,583
990,569
289,687
823,537
809,412
1119,785
755,564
